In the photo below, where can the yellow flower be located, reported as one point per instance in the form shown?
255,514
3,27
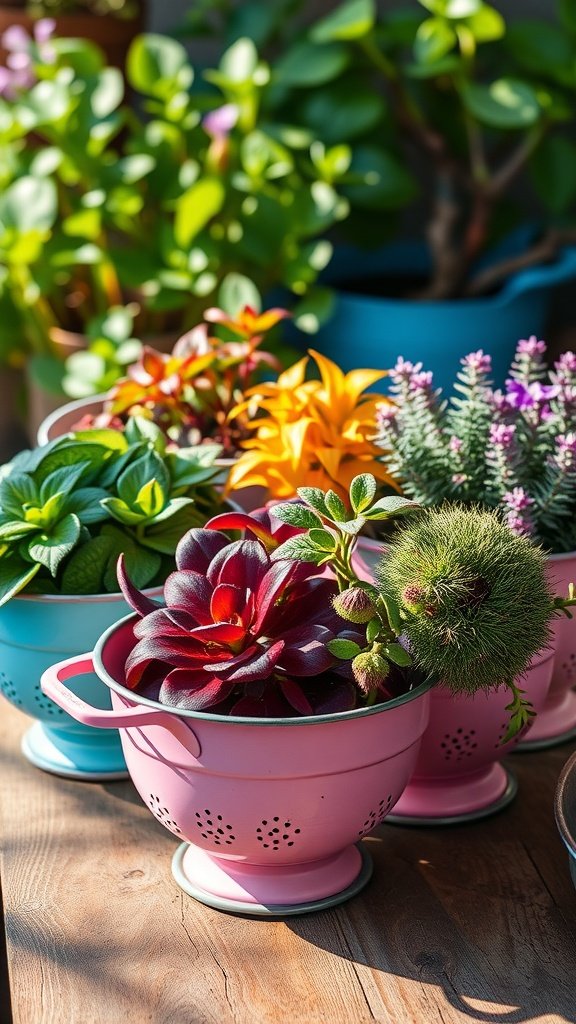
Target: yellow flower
312,433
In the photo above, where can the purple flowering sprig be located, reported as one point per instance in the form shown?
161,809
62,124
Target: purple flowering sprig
512,449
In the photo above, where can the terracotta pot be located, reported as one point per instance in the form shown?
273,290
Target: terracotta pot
112,35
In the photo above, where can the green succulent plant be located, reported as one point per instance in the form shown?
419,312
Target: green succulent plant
70,508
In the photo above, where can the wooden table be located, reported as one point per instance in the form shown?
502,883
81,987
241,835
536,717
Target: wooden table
468,923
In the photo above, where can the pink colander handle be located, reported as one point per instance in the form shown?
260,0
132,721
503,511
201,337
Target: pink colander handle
52,683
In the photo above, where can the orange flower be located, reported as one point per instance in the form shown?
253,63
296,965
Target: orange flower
247,321
314,433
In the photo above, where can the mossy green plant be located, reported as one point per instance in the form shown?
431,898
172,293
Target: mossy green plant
474,599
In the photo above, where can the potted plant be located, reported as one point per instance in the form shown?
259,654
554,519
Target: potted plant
513,450
278,707
67,511
157,202
448,107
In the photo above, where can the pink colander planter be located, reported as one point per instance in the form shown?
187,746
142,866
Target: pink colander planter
458,775
556,722
271,811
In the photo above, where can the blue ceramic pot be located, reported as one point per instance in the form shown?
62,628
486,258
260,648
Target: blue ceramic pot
369,331
36,632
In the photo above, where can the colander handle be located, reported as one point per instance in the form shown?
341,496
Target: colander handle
52,684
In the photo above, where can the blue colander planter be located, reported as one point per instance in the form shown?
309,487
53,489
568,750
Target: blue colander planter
371,331
36,632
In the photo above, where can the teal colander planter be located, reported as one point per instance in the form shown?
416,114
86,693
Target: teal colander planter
372,331
36,632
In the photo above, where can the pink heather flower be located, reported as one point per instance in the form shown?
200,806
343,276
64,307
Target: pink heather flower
520,525
531,347
455,444
421,381
477,361
459,478
517,499
18,75
220,122
566,362
386,415
502,434
565,455
499,401
404,370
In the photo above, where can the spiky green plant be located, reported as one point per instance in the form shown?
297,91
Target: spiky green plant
473,597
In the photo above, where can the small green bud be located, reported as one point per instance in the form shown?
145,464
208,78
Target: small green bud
355,605
369,670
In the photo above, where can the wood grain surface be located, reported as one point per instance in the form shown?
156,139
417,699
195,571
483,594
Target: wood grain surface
462,924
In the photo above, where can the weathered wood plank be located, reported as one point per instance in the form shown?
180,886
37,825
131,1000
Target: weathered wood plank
474,922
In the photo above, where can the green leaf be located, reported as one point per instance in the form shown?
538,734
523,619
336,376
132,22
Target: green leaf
296,515
84,570
392,611
567,14
353,20
151,499
552,173
142,565
111,439
195,208
307,65
362,491
434,39
314,310
16,529
343,649
540,46
486,25
141,473
50,548
158,66
300,548
169,510
323,540
240,61
120,511
14,576
372,629
353,526
107,92
29,204
506,103
164,536
392,505
62,481
336,507
85,503
397,654
236,292
313,497
17,490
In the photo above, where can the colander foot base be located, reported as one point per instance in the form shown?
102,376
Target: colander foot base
433,802
553,725
43,751
261,891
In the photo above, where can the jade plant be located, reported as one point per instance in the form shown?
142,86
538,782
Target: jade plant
511,449
68,509
281,624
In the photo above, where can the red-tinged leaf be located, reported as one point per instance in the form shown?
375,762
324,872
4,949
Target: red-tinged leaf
158,624
271,589
219,633
243,563
309,600
272,704
139,602
336,696
260,666
305,653
189,591
227,664
185,620
295,696
152,362
242,521
227,603
182,689
198,547
175,651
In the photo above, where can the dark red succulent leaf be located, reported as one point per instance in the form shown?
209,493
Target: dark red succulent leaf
260,524
239,631
198,547
137,601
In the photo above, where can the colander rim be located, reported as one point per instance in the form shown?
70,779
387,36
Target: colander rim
206,716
